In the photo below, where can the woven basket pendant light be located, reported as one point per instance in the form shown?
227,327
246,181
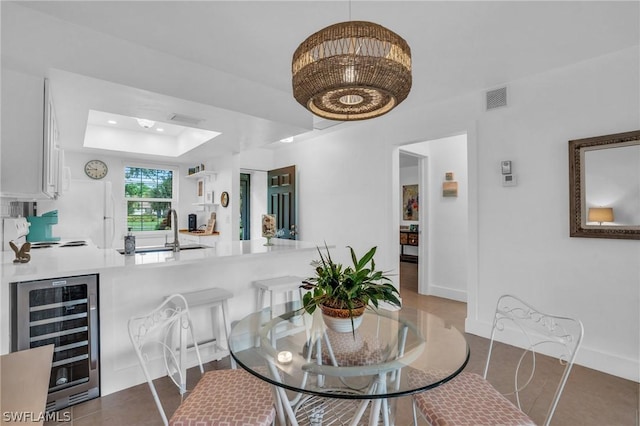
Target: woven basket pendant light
352,71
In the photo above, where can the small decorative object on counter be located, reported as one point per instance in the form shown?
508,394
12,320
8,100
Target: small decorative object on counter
22,254
211,224
129,244
268,227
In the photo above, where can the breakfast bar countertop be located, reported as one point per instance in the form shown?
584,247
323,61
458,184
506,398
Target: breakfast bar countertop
52,262
129,285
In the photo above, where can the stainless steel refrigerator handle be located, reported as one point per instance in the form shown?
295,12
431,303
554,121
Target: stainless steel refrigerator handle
93,318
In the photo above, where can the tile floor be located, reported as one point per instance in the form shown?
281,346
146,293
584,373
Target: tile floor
590,397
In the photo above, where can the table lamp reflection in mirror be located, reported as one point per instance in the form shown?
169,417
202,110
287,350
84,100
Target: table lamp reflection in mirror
600,214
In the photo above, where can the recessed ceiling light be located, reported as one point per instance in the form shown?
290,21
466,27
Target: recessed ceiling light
147,124
160,129
287,140
112,122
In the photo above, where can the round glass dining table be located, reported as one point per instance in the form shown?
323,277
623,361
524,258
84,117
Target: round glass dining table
321,376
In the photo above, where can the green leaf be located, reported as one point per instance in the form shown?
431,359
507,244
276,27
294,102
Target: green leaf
367,258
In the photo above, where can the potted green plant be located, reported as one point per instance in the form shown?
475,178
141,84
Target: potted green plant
343,293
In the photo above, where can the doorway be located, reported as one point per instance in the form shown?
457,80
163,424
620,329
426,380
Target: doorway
245,206
267,192
412,224
281,196
444,239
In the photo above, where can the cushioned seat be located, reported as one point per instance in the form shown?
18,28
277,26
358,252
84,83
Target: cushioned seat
226,398
468,399
221,397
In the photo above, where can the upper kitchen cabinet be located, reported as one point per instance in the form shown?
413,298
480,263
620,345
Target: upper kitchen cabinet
30,154
52,154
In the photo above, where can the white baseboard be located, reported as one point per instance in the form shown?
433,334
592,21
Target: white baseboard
587,357
447,293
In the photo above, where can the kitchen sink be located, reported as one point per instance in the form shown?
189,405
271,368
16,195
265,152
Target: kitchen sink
154,249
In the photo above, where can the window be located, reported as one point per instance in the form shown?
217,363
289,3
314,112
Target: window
149,194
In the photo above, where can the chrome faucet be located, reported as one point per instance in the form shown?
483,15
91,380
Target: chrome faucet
174,224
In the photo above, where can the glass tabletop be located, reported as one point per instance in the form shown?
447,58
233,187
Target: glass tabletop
391,353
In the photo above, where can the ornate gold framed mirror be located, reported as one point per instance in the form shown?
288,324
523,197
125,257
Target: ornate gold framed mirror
604,186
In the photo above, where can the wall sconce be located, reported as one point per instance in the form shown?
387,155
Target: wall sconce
600,214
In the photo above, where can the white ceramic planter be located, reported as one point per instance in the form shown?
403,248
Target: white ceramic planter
342,325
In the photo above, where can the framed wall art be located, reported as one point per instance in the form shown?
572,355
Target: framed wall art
450,189
410,202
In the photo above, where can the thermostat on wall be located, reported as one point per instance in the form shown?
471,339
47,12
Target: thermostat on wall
505,167
509,180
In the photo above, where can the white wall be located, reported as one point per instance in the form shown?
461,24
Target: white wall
524,248
258,202
448,219
344,193
227,179
518,236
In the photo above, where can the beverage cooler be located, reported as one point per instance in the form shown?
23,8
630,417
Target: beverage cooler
62,311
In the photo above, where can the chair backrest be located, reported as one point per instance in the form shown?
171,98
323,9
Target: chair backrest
25,382
161,337
554,335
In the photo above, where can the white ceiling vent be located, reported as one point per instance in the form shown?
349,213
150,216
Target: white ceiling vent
496,98
184,119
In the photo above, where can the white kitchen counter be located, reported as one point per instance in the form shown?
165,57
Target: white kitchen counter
57,262
134,285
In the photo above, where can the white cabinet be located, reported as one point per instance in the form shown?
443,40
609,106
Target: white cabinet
31,168
52,156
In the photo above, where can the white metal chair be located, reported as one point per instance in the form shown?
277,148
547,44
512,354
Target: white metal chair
229,397
469,399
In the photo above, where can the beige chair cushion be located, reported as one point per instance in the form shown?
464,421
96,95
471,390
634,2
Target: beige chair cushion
227,398
468,399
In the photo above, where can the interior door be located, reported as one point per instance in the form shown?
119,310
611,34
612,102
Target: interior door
281,196
245,207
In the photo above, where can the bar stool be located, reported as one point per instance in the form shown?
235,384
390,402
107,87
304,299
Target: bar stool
214,298
287,284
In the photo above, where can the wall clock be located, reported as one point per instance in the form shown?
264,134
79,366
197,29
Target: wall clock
224,199
96,169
